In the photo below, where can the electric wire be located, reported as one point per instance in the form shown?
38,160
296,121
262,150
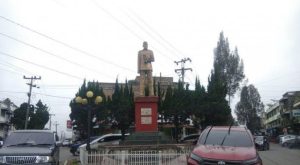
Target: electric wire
67,45
41,66
62,97
54,55
126,27
17,68
174,49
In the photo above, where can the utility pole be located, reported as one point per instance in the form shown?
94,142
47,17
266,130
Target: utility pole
29,95
50,115
56,124
181,71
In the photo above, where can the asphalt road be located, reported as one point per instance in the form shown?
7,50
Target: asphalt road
65,154
278,155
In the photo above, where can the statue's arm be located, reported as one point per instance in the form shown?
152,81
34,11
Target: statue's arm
152,57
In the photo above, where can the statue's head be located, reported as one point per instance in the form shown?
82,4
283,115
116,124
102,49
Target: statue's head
145,45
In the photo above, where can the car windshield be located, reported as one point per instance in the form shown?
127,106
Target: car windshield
221,137
32,138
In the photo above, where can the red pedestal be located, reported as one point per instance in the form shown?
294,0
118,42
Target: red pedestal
146,114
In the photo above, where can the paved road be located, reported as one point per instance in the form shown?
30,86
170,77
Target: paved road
278,155
65,154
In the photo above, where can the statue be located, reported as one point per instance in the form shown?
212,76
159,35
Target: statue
145,57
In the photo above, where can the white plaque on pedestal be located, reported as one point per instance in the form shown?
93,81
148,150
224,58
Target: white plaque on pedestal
146,120
146,111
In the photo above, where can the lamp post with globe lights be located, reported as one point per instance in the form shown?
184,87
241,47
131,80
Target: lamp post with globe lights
89,102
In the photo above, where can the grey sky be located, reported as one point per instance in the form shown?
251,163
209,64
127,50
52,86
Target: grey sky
105,37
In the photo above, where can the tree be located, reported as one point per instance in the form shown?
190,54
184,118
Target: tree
39,116
79,113
122,107
229,65
216,107
198,102
249,107
176,106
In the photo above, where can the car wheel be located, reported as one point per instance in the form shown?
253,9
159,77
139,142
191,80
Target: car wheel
284,144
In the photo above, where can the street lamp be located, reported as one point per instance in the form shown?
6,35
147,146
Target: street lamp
88,102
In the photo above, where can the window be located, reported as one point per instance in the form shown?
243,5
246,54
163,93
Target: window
235,138
16,138
112,138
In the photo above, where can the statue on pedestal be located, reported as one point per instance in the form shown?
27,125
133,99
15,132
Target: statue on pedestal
145,57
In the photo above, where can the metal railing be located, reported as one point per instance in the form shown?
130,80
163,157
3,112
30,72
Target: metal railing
136,157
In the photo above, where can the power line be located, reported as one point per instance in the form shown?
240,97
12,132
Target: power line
62,97
159,35
12,66
139,25
66,45
52,54
41,66
172,48
12,92
14,72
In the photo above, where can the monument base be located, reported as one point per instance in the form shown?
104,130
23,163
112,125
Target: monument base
147,138
146,114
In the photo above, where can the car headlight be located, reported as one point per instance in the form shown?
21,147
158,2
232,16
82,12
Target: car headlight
196,158
44,159
2,159
255,160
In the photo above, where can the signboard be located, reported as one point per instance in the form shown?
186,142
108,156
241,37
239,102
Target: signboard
296,112
146,111
146,120
69,124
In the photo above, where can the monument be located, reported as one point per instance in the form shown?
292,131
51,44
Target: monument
145,57
145,106
146,126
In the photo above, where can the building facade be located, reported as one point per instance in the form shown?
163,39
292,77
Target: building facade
7,108
108,88
290,112
273,120
284,116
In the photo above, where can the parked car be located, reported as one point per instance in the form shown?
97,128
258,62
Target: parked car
293,143
74,148
261,143
190,139
105,139
225,145
30,147
108,139
287,139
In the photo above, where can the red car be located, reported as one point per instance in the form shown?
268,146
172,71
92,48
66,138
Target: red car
225,145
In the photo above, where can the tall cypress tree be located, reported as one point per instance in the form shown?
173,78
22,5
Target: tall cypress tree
229,66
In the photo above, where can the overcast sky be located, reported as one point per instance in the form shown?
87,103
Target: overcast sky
65,41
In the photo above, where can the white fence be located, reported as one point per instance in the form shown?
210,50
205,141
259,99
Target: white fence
138,157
